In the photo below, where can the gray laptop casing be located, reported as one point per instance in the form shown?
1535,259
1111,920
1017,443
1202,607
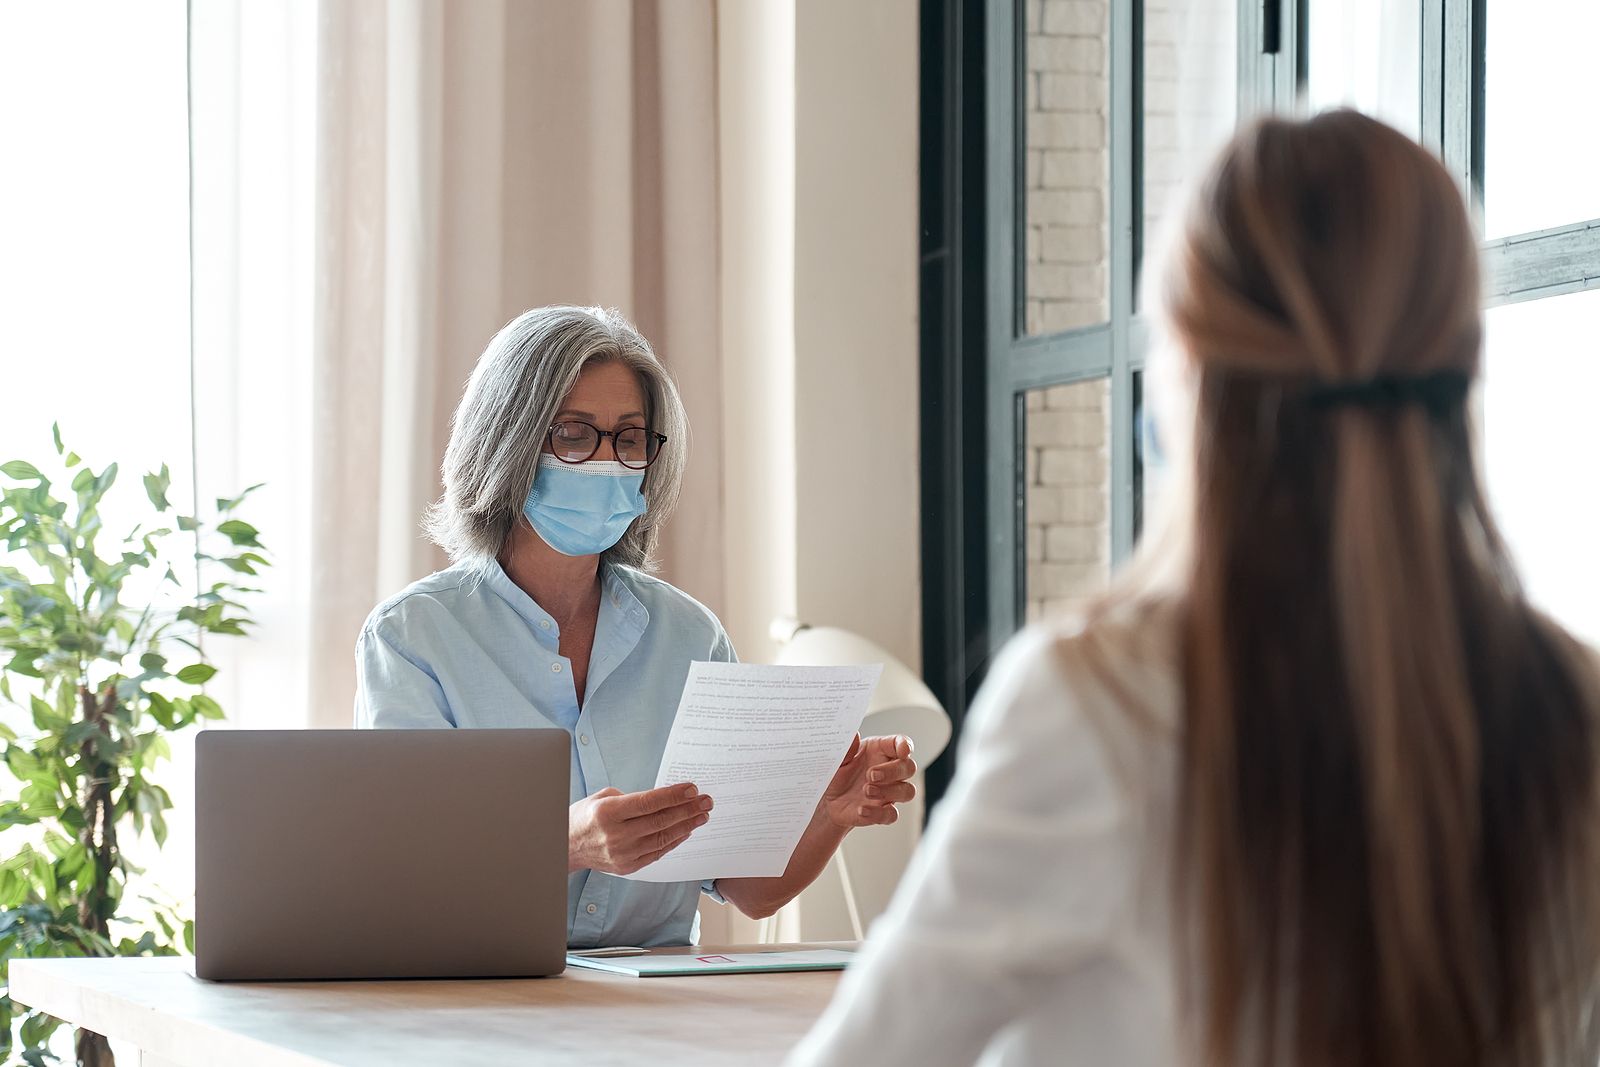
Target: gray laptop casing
380,853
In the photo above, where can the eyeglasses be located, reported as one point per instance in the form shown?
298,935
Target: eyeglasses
577,442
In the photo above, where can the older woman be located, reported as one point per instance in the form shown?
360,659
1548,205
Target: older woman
565,457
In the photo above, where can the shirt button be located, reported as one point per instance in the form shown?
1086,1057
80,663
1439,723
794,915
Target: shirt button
555,667
592,908
544,624
583,739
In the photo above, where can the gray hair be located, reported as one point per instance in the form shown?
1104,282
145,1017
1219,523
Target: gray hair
498,431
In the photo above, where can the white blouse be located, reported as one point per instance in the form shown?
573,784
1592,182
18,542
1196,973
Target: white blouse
1033,924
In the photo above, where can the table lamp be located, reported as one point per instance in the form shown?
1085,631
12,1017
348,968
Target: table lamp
901,703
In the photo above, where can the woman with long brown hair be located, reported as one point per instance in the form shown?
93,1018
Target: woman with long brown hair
1313,784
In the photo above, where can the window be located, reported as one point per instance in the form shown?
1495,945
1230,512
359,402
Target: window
1065,91
1066,443
94,257
1091,113
1541,374
1366,54
94,265
1056,134
1531,163
1099,110
1540,156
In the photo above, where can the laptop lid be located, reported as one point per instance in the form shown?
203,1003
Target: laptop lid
380,853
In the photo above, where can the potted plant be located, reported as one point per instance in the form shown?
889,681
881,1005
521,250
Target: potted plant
102,656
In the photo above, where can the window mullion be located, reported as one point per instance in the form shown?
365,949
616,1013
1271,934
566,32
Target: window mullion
1124,172
1271,56
1433,79
1552,262
1003,502
1461,92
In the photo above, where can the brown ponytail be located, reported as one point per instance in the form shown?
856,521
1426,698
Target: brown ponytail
1387,823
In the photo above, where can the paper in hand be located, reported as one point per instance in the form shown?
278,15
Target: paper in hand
763,742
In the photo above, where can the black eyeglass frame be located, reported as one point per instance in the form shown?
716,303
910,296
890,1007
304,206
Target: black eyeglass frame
600,436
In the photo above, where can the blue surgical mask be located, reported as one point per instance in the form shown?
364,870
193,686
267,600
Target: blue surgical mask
582,509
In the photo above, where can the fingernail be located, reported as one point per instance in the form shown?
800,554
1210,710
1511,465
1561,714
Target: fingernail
705,803
873,791
877,776
689,791
701,820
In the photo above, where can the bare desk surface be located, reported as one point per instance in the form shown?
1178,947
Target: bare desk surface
581,1017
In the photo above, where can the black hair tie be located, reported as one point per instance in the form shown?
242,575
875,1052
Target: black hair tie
1440,394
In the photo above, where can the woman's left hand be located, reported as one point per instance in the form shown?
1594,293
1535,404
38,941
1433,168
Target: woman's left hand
874,777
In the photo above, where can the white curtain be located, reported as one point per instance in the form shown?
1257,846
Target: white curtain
379,186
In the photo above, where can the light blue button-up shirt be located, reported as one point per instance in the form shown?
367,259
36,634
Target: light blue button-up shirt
454,650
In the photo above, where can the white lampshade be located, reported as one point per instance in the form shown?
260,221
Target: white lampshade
901,704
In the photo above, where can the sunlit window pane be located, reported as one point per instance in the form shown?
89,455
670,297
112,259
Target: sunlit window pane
1190,96
94,237
1540,440
1367,54
1541,157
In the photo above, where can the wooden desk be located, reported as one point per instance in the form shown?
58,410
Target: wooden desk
581,1017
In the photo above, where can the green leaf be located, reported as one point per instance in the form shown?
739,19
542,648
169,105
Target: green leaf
83,480
162,710
207,708
21,470
240,533
45,717
11,814
153,662
224,504
73,459
44,873
55,431
156,486
188,523
196,673
104,482
37,1028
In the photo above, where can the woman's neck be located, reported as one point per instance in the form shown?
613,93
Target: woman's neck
565,586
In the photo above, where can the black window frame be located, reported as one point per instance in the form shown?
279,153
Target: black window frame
976,365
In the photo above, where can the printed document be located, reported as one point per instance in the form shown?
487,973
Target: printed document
762,742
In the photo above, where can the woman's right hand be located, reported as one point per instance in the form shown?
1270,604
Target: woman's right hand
617,833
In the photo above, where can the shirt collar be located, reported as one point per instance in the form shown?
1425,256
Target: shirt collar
540,622
621,622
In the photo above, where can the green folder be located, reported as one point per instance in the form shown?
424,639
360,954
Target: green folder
676,963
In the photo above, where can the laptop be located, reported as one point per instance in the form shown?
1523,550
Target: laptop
380,853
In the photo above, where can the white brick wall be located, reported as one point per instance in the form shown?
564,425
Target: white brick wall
1066,463
1068,136
1066,250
